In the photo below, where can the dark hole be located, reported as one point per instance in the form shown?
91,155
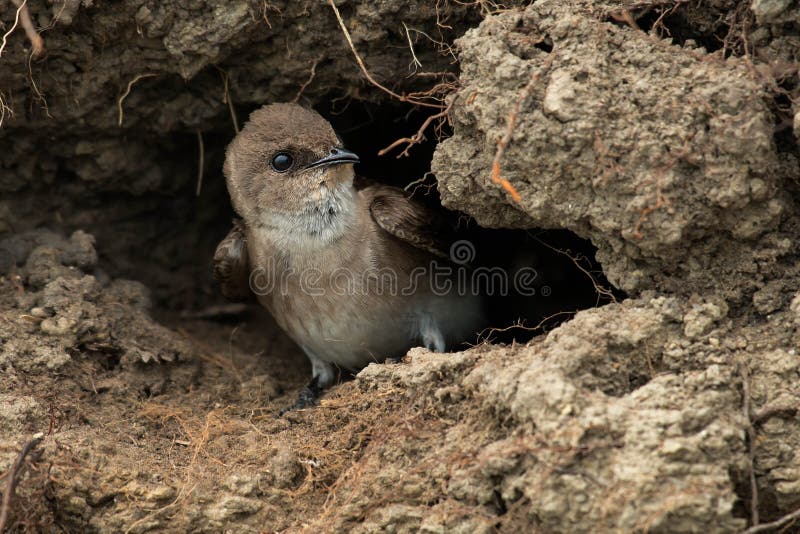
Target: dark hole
782,109
675,25
560,272
366,128
107,358
768,507
168,240
499,503
546,45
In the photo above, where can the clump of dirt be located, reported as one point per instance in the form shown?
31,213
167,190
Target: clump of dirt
658,132
680,183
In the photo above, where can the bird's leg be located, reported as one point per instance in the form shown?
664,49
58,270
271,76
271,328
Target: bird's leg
323,375
307,398
431,334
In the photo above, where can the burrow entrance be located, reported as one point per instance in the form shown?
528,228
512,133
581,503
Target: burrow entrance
566,276
165,237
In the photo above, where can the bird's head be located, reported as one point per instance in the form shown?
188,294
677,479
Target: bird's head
287,167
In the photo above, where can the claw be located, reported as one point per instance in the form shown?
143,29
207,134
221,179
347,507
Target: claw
306,399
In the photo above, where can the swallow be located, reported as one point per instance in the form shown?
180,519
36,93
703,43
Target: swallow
352,270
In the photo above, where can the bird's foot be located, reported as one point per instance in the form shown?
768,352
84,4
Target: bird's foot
307,398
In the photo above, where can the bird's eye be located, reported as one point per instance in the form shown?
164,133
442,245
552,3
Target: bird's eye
282,161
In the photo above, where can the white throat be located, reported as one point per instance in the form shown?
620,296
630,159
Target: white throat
328,215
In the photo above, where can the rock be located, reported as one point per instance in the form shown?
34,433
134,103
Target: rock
624,140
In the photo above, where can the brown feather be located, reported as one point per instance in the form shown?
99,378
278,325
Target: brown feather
409,220
231,264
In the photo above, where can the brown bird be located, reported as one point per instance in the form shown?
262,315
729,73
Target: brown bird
353,272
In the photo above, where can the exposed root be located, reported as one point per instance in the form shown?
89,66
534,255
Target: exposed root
602,292
434,97
438,92
265,7
773,525
484,336
201,163
308,81
127,92
503,142
36,92
12,477
443,46
4,110
661,200
418,137
13,27
421,183
751,446
415,63
774,410
197,432
23,17
226,98
658,25
487,7
373,81
37,43
182,497
607,160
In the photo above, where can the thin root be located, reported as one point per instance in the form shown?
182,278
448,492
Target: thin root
778,523
600,290
512,121
23,17
415,62
127,92
201,163
309,80
751,438
226,99
5,109
12,477
373,81
420,135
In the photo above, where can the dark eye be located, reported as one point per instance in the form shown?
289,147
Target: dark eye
282,161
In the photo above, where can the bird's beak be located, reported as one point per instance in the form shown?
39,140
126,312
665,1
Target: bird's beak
336,157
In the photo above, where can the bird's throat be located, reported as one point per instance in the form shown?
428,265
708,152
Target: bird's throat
327,216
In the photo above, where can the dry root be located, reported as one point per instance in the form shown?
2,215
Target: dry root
23,17
373,81
12,477
503,142
443,117
127,92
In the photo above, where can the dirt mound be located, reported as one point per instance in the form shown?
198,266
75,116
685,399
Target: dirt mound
661,132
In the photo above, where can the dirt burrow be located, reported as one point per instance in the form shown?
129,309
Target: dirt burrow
107,126
629,417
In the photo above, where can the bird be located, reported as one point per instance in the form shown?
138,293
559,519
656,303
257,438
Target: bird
353,270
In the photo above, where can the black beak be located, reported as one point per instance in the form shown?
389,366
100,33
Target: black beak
336,157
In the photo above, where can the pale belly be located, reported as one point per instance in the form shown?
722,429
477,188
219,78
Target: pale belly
355,327
353,330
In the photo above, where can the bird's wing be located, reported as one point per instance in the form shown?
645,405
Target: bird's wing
231,264
409,220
